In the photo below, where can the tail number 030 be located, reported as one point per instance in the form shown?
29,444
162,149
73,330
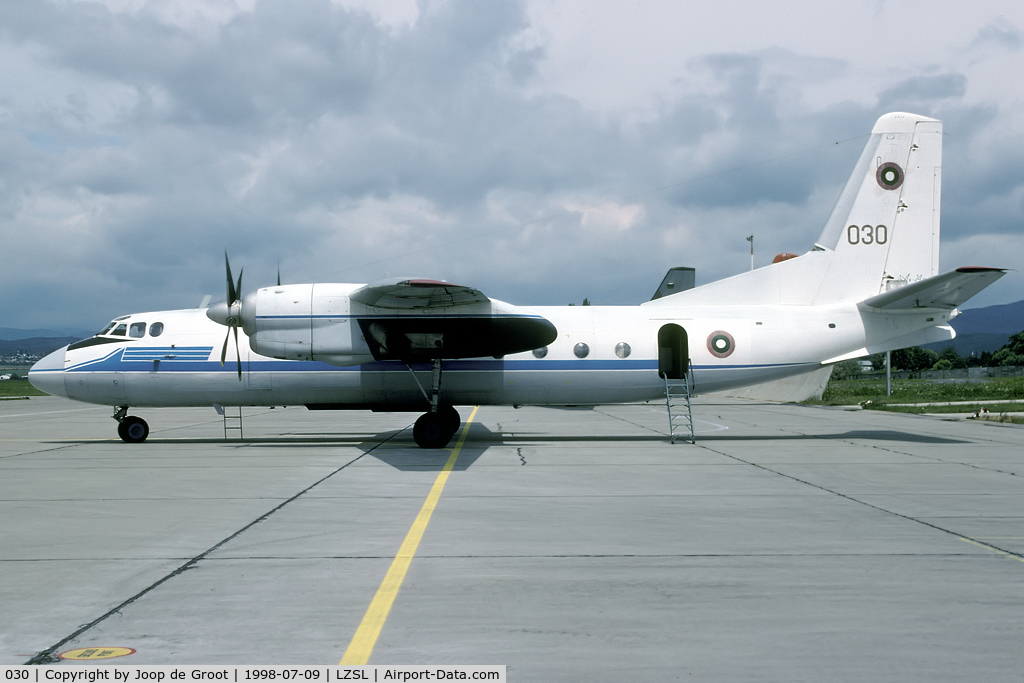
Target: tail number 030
867,234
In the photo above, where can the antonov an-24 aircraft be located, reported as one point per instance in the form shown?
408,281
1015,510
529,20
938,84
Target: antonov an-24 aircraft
869,284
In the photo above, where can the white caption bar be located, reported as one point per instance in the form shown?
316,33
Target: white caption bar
92,671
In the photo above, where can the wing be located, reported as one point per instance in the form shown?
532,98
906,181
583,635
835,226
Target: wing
408,294
946,291
420,320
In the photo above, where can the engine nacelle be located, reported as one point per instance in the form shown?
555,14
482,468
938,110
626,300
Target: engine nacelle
413,321
305,322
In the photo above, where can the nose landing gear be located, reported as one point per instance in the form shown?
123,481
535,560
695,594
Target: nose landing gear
131,428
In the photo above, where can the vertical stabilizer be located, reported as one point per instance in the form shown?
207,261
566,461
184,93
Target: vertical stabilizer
884,230
882,234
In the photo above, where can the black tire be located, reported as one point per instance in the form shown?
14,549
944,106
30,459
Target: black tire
133,429
431,431
451,417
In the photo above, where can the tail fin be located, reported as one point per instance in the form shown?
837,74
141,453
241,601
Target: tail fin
884,230
882,234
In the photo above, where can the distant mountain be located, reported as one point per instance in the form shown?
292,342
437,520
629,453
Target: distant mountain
984,329
33,346
12,333
1004,319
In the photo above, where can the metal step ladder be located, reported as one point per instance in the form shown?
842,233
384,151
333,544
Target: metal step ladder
680,413
232,421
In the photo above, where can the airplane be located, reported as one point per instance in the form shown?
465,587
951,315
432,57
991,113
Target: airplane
869,284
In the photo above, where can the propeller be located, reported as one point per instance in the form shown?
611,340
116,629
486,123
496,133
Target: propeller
229,313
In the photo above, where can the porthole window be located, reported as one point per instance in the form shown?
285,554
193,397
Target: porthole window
581,350
622,350
137,330
541,352
156,329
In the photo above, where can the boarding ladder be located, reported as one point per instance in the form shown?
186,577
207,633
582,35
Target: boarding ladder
680,413
232,421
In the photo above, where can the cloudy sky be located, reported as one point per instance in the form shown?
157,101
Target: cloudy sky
541,150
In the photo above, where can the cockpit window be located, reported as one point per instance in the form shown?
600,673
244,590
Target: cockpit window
120,330
137,330
107,329
156,329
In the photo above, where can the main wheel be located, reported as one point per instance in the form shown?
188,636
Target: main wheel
133,429
451,417
432,431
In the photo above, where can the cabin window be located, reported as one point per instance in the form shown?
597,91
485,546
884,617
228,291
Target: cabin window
581,350
156,329
120,331
137,330
622,350
541,352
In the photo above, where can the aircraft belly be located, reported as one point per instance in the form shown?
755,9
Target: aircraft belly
707,379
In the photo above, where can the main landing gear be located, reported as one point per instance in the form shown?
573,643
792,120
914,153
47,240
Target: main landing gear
436,428
131,428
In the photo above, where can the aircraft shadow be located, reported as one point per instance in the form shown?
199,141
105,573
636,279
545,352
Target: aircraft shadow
869,435
397,449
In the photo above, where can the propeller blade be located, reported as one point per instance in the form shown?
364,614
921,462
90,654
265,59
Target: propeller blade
224,349
238,289
278,272
237,353
232,292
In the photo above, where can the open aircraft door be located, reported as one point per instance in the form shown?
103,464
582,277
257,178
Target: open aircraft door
673,352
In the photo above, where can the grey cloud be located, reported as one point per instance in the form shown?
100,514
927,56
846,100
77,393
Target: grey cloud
309,133
923,91
1001,34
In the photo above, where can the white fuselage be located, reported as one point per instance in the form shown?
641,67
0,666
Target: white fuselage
728,347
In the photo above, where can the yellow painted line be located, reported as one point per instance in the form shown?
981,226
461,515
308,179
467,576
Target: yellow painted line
359,650
988,547
97,653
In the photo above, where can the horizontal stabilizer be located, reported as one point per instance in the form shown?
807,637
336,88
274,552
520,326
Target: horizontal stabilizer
409,294
946,291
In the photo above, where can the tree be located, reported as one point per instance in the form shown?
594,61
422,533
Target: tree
1012,353
914,359
954,359
846,369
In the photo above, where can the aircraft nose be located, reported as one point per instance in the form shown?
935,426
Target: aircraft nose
48,374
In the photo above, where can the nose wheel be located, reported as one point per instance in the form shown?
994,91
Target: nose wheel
131,428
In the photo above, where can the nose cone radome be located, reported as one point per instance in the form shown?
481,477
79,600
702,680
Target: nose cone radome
48,374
